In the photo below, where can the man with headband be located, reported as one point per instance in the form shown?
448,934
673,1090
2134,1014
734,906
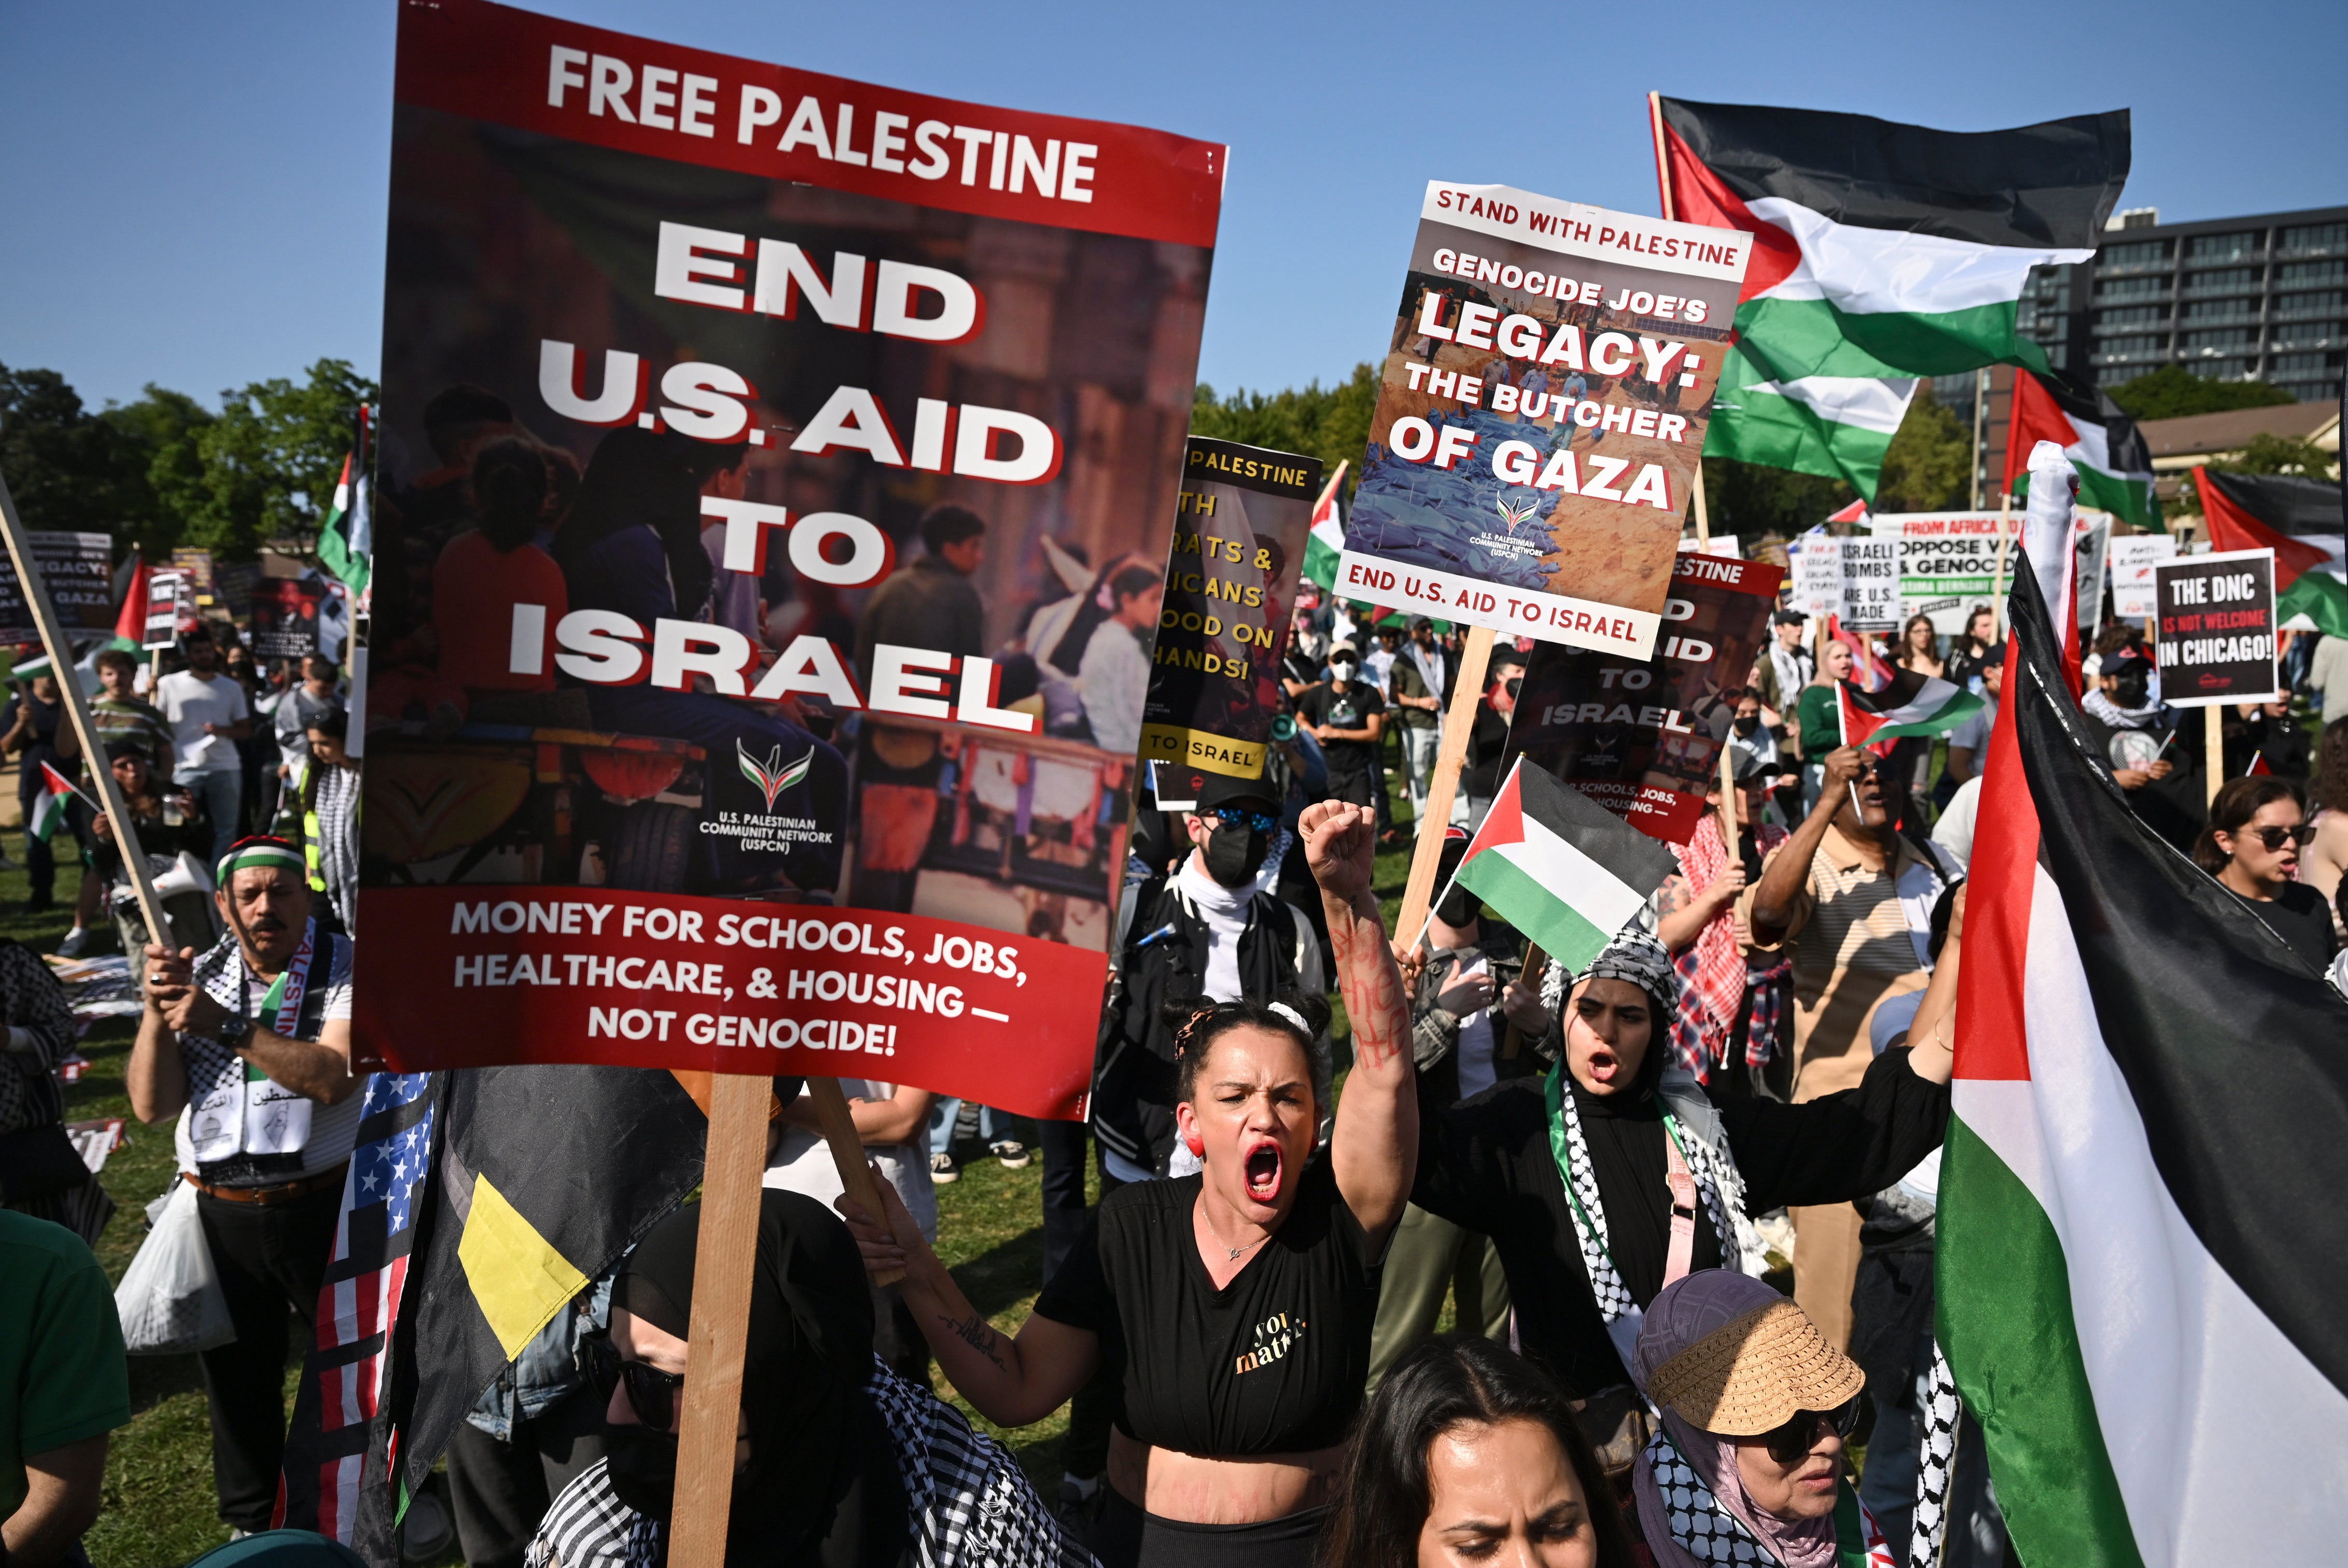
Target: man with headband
249,1045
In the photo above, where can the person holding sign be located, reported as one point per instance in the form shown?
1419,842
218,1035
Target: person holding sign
250,1048
1232,1307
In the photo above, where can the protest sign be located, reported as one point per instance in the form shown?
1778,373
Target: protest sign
851,375
1948,563
284,618
1871,599
167,600
80,571
1643,739
2217,632
196,566
1540,413
2132,558
1815,559
1240,522
1718,544
2091,538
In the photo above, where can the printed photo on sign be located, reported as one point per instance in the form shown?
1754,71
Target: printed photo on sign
775,483
1240,527
1541,409
2217,629
1642,738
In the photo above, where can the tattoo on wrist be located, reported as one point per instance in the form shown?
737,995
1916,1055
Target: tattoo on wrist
974,1332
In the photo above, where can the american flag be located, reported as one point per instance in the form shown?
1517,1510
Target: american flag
335,1414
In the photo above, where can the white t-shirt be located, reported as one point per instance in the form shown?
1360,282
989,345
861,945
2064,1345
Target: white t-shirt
803,1163
1477,1073
1954,830
189,702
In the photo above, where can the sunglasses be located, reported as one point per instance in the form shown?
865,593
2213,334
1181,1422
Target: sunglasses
651,1393
1789,1442
1240,817
2272,837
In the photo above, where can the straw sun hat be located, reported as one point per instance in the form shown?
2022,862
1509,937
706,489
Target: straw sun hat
1750,1375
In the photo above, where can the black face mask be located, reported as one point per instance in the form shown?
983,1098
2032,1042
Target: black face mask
641,1465
1235,853
1746,725
1457,908
2131,687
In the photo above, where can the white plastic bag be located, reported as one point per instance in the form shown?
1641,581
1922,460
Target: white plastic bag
169,1299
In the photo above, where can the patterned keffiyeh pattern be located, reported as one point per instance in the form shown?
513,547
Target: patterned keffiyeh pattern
1709,1533
1716,1182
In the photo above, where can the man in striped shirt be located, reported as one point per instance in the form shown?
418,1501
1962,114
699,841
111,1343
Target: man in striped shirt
1854,901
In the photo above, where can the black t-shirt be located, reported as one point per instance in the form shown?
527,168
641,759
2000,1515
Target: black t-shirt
1274,1363
1347,710
2297,915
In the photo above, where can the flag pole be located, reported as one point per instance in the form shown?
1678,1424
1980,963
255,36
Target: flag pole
719,1327
1662,163
53,642
1466,690
2213,748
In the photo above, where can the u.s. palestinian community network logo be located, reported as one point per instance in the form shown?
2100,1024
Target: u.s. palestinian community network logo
771,775
767,829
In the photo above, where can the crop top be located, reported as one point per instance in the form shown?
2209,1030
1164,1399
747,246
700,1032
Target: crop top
1274,1363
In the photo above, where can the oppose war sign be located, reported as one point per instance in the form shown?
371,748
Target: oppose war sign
762,607
1541,417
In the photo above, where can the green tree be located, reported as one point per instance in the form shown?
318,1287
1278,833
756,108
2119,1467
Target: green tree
1749,501
1329,423
2173,392
2268,454
263,470
69,469
1929,466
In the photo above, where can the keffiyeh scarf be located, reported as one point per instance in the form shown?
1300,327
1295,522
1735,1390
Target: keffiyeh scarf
1716,1183
1704,1532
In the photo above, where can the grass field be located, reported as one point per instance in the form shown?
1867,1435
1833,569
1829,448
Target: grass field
160,1504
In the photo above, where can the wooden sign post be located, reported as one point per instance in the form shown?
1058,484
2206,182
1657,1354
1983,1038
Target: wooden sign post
61,665
1458,719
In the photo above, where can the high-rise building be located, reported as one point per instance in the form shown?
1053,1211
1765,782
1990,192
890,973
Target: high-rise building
2232,299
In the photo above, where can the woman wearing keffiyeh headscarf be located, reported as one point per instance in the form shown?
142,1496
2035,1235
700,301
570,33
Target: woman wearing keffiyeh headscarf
1616,1176
1747,1468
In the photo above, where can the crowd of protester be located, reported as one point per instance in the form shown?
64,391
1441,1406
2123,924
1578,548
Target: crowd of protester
1679,1204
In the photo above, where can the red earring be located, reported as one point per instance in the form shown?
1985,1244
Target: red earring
1198,1146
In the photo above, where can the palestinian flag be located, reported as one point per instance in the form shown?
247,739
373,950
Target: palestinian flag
2138,1281
2299,519
2104,445
1561,869
130,621
1912,703
50,805
1328,535
346,539
1882,252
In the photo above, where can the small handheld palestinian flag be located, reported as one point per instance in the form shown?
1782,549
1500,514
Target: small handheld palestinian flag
49,809
347,538
1328,535
2299,520
1912,703
1561,868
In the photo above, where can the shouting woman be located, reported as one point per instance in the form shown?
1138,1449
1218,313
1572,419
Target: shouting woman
1231,1308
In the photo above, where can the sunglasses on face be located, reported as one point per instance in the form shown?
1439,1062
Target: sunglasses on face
651,1393
1240,817
2273,838
1789,1442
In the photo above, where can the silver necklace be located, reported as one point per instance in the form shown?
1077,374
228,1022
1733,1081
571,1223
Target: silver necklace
1231,1250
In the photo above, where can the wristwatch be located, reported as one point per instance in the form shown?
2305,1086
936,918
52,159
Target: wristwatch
236,1031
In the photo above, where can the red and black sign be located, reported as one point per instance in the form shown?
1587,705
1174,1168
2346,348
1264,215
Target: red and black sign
2216,637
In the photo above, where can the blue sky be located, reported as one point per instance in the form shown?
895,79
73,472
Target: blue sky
194,194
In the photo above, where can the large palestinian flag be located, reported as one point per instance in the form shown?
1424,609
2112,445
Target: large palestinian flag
1910,703
2115,466
1882,252
2299,519
1561,868
2140,1273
